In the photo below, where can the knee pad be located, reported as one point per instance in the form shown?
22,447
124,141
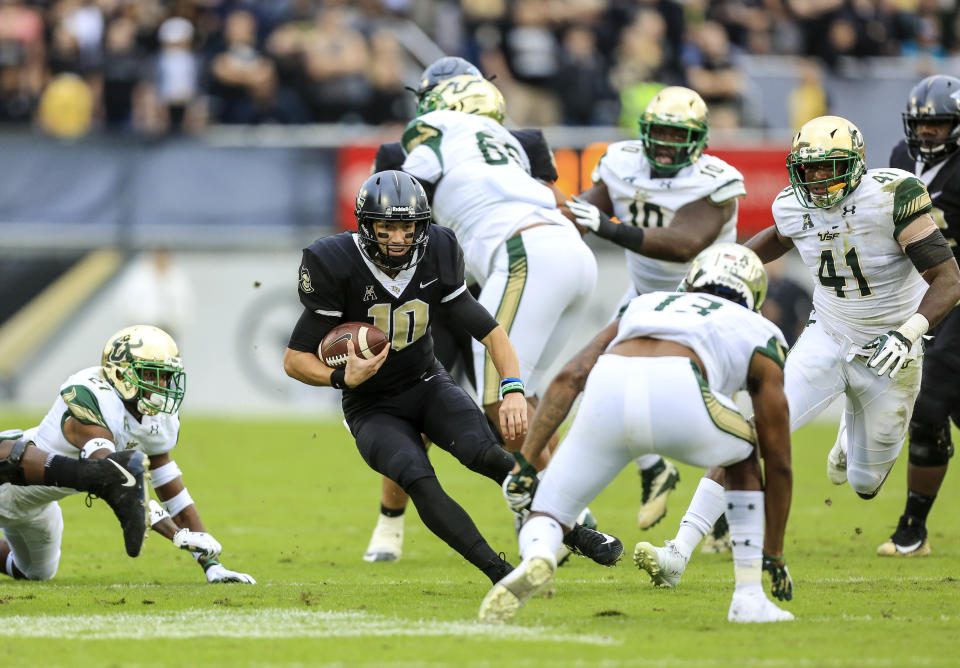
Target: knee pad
930,445
10,469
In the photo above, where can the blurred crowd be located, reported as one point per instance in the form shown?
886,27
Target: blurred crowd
161,66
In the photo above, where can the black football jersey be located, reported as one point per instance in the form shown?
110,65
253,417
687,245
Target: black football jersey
944,189
542,165
338,284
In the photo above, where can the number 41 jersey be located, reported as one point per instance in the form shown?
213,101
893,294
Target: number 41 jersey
864,284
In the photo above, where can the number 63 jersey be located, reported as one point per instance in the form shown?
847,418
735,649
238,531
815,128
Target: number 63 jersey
864,284
484,190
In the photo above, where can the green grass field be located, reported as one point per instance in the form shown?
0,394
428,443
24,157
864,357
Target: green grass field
293,504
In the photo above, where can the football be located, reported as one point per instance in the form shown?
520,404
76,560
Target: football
368,341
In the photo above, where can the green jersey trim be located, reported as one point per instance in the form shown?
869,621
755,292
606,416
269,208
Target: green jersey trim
724,418
774,350
82,405
417,133
910,201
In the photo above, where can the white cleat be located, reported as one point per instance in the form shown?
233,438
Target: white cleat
664,564
837,459
386,543
511,593
755,608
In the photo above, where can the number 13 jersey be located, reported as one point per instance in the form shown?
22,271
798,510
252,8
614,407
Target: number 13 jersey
864,284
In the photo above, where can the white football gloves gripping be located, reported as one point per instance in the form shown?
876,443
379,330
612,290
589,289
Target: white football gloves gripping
519,487
587,214
890,352
198,542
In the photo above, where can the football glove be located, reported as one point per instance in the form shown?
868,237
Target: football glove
519,487
890,353
217,573
202,544
587,214
781,584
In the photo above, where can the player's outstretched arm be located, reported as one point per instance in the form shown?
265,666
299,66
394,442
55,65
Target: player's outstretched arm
513,406
178,520
768,244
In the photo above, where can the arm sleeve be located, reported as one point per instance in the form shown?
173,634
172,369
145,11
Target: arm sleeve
542,164
309,331
470,315
625,236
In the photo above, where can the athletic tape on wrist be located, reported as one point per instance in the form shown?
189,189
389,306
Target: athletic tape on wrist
157,513
95,444
177,504
163,474
915,327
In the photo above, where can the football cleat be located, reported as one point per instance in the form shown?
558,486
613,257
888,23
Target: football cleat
602,548
511,593
909,540
755,607
120,480
386,542
837,464
718,540
664,564
657,482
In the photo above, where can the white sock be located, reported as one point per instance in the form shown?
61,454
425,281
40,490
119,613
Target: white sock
540,536
745,517
645,462
706,506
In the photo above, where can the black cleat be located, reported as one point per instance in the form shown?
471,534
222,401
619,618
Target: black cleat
120,480
601,547
909,540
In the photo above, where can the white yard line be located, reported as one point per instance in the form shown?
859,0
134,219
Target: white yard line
270,623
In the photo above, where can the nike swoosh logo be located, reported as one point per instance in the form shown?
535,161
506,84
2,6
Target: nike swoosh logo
907,548
430,377
423,285
609,539
936,194
129,481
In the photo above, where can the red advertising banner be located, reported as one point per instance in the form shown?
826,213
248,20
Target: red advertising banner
764,173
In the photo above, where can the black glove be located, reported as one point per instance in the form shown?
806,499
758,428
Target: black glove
781,584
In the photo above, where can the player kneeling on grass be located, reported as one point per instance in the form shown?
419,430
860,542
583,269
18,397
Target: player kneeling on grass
659,381
107,423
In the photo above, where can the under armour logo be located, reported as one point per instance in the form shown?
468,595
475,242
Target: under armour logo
852,209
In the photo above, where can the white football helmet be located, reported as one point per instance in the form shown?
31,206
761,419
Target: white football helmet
142,362
730,271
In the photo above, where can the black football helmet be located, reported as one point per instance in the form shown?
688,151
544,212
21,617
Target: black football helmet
392,196
441,70
936,98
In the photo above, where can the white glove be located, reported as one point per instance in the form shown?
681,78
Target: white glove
217,573
202,544
890,352
587,214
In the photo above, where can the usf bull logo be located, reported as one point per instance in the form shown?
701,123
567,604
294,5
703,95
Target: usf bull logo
120,352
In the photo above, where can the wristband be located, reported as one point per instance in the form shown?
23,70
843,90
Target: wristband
176,504
778,560
520,459
915,327
206,565
338,379
95,444
508,385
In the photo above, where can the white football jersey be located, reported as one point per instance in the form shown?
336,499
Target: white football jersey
484,191
88,397
724,334
640,199
864,284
